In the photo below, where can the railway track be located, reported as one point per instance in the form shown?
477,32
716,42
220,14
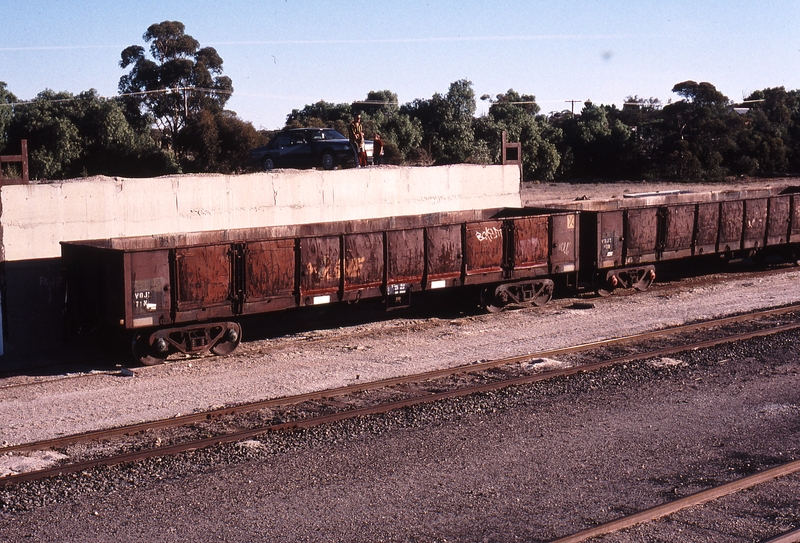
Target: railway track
304,337
242,422
696,499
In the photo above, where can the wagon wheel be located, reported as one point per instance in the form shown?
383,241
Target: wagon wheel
645,281
230,340
490,302
543,296
146,354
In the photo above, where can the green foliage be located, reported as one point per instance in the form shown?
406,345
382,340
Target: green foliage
6,113
218,142
700,137
447,122
179,80
70,136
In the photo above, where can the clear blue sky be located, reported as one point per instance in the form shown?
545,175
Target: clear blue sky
284,54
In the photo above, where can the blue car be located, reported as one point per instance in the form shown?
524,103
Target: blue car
305,148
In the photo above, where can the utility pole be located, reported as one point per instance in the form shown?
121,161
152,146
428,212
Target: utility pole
573,105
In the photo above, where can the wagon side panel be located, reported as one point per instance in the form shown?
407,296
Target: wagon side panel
149,297
679,221
204,282
531,246
755,223
731,222
363,265
707,232
565,249
444,257
320,269
405,257
270,272
484,251
779,220
610,237
641,235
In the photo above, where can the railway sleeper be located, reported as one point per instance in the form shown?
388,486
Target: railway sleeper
532,292
154,346
639,278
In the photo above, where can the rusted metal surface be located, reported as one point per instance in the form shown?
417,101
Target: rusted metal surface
203,277
755,223
679,227
641,235
779,220
363,265
707,231
443,248
565,249
531,246
269,275
610,236
320,269
405,257
485,243
731,223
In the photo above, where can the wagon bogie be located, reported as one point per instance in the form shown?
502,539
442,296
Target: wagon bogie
535,292
154,346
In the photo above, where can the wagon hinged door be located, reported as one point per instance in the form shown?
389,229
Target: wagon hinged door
794,232
484,250
641,235
731,221
707,232
679,221
565,243
444,257
320,269
269,275
363,265
150,297
203,278
609,239
755,223
779,220
531,244
405,257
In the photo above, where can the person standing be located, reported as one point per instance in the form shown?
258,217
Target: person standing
377,149
357,138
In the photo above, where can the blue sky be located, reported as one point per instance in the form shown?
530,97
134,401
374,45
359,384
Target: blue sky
284,54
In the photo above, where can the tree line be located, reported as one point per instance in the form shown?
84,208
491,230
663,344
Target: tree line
170,117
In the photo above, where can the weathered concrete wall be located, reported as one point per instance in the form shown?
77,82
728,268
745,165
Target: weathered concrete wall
35,218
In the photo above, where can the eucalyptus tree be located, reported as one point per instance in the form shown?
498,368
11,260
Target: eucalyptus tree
6,111
518,115
178,79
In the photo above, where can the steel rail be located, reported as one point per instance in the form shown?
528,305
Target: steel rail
698,498
192,418
792,536
424,397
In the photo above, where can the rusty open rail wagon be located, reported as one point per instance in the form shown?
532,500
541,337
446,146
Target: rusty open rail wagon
183,292
623,242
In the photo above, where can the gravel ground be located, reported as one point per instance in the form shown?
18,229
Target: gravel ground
524,464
